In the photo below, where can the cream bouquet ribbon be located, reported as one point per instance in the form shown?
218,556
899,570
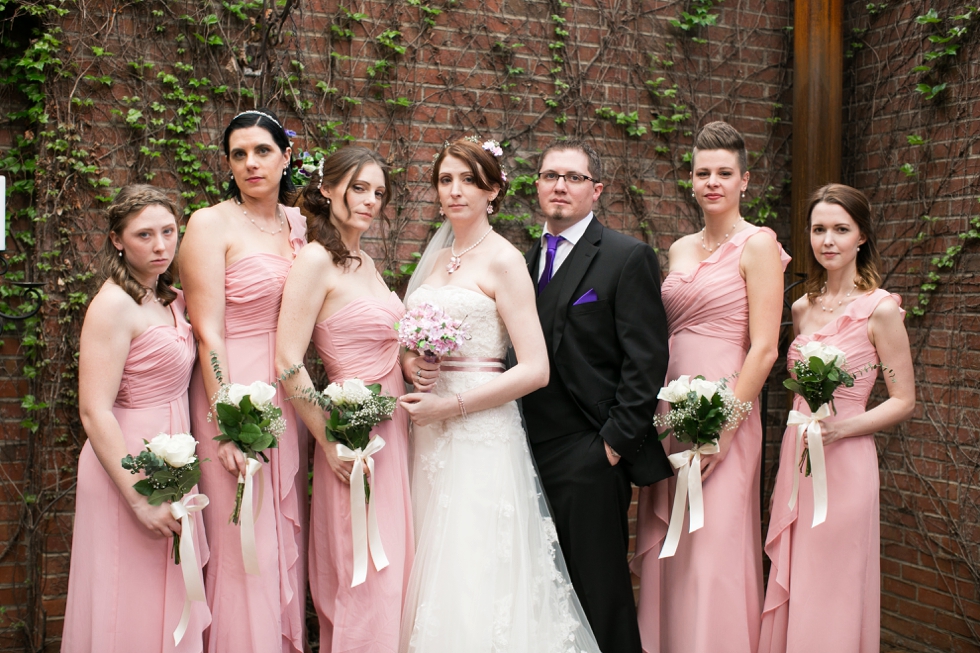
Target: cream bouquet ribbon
249,555
810,425
688,485
363,531
182,511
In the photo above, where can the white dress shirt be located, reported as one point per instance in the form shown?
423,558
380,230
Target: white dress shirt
571,235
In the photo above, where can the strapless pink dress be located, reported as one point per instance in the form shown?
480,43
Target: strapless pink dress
359,341
264,613
707,598
124,591
824,589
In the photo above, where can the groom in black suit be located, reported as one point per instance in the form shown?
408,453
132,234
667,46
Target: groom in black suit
606,333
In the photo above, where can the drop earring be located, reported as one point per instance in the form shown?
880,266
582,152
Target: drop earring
858,248
441,212
120,253
743,194
692,193
489,209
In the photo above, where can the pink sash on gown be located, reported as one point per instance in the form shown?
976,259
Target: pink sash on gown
359,341
124,591
824,584
264,613
707,597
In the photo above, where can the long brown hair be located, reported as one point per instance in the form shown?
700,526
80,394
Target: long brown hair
484,166
311,202
130,201
868,259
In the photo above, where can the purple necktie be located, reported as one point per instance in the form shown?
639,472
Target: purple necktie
549,261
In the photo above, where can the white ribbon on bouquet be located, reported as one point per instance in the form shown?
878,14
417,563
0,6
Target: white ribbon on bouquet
688,485
363,532
248,516
182,511
810,425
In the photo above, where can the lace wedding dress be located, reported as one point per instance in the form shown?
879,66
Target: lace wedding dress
488,575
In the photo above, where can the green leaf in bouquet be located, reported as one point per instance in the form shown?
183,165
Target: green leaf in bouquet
245,405
263,442
228,414
163,477
375,388
161,495
793,386
817,365
189,479
250,433
144,487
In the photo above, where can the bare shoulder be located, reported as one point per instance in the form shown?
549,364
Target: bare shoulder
684,244
888,312
208,222
762,244
313,254
799,308
112,308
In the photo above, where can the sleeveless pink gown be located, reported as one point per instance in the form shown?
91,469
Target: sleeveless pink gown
824,584
707,597
359,341
264,613
124,591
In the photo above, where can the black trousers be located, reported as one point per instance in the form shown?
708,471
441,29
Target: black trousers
589,501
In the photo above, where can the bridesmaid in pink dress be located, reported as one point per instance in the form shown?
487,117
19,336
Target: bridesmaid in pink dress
335,296
824,584
723,298
236,256
136,355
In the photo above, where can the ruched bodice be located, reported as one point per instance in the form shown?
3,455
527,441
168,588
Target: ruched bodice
158,368
373,354
849,333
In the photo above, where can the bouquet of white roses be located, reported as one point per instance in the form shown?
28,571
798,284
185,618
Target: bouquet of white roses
353,409
700,410
247,417
171,470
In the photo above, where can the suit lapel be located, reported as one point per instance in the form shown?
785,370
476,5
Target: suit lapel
577,264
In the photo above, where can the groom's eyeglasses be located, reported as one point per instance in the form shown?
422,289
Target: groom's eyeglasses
551,177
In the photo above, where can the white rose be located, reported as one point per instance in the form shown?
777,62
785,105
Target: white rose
309,168
261,394
826,353
676,390
334,392
703,388
355,392
237,391
176,450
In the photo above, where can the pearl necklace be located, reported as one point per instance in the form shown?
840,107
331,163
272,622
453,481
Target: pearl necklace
271,233
840,302
454,260
705,247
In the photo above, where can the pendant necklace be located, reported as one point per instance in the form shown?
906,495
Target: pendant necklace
454,260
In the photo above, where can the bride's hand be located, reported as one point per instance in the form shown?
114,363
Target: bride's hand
426,408
420,372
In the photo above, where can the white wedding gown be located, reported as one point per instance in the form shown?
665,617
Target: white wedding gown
488,574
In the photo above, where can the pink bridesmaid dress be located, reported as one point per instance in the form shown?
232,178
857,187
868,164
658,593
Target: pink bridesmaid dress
824,584
264,613
124,591
707,597
359,341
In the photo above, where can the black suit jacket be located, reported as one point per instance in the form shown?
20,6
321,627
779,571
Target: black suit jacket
610,354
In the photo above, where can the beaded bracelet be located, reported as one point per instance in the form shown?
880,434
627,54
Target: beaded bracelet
462,406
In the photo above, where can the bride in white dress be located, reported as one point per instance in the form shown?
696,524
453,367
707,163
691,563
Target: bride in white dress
488,573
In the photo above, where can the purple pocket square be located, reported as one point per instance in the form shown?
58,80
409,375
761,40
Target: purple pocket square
589,296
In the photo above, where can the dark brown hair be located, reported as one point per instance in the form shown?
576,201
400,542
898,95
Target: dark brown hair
128,203
719,135
349,160
595,163
484,166
868,260
268,121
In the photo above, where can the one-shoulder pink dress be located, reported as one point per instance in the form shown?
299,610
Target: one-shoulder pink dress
264,613
124,591
824,584
359,341
707,598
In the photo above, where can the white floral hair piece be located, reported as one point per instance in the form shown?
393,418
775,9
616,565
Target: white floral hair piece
493,147
319,170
